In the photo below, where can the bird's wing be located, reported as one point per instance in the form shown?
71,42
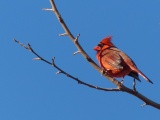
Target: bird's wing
125,57
111,60
131,64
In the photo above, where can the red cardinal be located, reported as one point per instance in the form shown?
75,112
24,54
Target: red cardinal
115,62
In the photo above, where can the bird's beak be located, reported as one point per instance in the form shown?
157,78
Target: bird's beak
97,48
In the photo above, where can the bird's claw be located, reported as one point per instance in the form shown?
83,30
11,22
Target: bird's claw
103,72
122,81
134,85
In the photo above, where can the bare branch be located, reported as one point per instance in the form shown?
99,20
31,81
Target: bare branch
88,58
75,41
63,72
120,87
21,44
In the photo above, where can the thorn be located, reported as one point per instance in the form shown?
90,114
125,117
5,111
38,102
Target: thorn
47,9
58,72
63,34
143,105
76,52
37,59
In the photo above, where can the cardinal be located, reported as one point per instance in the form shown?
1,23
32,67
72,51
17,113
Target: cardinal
116,63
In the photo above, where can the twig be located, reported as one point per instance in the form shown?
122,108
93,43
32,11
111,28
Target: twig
63,34
62,71
143,105
75,41
86,56
76,52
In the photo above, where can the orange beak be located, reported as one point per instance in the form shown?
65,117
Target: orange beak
97,48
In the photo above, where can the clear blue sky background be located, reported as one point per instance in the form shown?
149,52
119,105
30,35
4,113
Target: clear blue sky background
30,90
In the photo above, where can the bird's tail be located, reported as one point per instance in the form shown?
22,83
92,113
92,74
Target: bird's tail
145,77
134,75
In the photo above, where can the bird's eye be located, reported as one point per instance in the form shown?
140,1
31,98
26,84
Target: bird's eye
100,45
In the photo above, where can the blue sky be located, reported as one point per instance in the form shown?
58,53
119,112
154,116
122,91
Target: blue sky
30,90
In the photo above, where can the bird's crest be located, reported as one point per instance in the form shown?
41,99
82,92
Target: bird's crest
107,41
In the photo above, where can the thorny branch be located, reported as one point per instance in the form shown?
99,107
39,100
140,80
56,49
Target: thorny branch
120,87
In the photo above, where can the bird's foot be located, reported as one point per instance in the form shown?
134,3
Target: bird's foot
122,81
104,72
134,85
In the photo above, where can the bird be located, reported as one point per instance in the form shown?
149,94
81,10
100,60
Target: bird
115,62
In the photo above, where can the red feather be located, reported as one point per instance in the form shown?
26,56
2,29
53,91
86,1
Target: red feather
115,62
